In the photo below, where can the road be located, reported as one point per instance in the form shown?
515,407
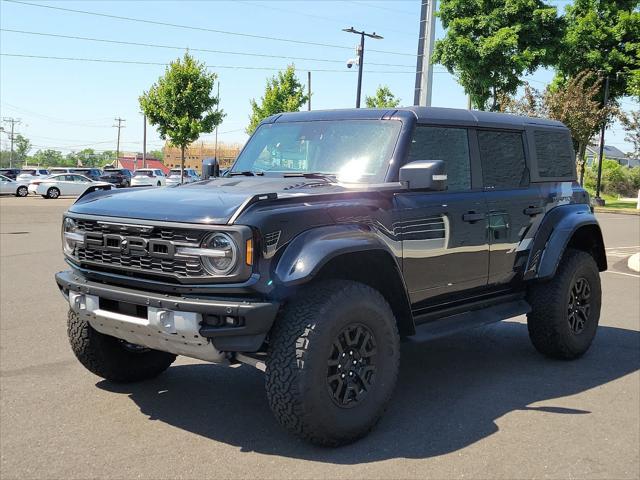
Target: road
477,405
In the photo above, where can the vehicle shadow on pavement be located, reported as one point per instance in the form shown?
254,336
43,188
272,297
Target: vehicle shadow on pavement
449,395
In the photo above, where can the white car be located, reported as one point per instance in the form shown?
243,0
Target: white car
148,177
190,176
28,174
13,187
63,184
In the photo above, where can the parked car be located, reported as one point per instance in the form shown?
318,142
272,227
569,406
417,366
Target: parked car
190,176
12,173
333,234
9,186
59,170
120,177
148,177
65,184
30,174
92,173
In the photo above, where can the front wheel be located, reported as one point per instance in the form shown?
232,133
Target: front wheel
333,361
158,184
566,309
111,358
53,192
22,192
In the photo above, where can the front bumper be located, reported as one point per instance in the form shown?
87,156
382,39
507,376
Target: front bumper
202,327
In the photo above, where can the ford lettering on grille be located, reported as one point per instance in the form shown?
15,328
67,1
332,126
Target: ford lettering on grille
126,245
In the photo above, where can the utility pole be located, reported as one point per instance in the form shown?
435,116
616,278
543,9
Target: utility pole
119,126
426,40
309,91
217,107
599,201
360,53
13,122
144,143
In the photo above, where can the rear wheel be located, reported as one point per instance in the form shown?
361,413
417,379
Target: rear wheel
22,192
566,309
111,358
333,362
158,184
53,192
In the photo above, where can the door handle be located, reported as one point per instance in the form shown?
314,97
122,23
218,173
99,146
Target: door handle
531,211
472,217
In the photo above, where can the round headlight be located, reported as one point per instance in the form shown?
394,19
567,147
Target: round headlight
226,256
69,228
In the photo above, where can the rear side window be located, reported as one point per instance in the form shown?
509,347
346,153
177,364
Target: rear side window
448,144
554,153
502,158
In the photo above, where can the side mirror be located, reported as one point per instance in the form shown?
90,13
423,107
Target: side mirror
424,175
210,168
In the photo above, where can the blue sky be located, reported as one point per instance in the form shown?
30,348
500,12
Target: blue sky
69,105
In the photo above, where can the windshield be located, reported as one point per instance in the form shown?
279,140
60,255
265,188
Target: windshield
27,172
143,173
353,150
113,172
175,172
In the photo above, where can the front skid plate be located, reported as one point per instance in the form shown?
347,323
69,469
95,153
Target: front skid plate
166,330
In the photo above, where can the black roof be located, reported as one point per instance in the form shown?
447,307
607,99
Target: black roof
436,115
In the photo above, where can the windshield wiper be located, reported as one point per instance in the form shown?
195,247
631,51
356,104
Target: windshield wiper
313,175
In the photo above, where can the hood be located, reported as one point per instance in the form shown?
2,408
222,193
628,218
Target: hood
210,201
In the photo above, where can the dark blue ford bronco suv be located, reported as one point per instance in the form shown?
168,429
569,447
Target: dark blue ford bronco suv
333,235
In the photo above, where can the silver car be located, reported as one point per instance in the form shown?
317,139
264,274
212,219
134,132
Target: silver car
190,176
13,187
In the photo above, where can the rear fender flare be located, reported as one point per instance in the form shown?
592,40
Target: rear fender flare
556,232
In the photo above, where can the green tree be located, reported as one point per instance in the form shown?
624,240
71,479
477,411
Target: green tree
383,98
490,44
181,105
48,158
159,154
283,93
631,124
602,36
22,147
85,158
578,106
633,88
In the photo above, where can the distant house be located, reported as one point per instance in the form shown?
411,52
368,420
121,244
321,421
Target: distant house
135,162
611,153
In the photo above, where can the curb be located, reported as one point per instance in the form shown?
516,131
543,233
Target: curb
622,211
634,262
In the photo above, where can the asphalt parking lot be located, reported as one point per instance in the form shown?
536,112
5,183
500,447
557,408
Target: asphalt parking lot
482,404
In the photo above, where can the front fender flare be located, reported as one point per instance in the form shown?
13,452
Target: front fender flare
307,253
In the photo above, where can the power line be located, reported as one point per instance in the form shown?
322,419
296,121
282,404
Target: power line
175,47
334,20
137,62
192,27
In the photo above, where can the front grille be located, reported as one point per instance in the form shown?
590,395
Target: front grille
184,266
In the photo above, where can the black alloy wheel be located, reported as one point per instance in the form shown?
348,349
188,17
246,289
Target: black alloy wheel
579,305
351,371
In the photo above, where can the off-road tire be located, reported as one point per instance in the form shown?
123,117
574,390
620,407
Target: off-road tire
53,192
106,356
300,345
22,192
548,321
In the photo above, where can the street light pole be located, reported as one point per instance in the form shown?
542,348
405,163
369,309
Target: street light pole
360,51
599,201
